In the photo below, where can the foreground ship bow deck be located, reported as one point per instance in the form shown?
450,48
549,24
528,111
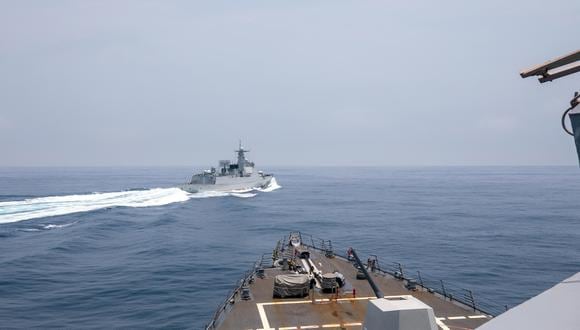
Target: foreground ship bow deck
253,306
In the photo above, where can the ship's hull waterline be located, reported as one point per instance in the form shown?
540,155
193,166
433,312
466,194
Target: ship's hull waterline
230,184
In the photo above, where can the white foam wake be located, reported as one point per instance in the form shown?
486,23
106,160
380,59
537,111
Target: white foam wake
53,226
61,205
41,207
273,185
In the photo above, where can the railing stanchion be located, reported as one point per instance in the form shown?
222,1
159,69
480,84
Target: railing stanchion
401,271
443,288
472,300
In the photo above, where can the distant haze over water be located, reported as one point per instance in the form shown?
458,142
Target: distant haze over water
107,82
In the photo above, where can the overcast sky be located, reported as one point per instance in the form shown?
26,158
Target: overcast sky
301,82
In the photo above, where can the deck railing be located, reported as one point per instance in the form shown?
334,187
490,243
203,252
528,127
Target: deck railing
397,270
249,275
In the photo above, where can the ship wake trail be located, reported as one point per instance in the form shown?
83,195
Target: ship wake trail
60,205
42,207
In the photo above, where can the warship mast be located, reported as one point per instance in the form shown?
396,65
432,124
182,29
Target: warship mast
241,160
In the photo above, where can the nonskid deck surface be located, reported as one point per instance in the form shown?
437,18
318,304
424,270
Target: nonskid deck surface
332,311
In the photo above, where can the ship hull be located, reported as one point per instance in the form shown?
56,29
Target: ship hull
230,184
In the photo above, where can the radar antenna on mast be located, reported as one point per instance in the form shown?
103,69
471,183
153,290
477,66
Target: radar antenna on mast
241,149
558,68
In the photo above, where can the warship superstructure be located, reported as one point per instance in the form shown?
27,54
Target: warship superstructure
229,176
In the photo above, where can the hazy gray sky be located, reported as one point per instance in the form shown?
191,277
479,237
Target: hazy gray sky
301,82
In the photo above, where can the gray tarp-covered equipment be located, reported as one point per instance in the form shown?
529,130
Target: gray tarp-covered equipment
294,285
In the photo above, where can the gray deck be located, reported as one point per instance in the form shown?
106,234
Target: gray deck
332,311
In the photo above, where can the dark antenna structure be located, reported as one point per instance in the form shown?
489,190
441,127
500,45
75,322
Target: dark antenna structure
558,68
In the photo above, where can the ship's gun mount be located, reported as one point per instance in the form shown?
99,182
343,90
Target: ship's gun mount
375,288
558,68
205,177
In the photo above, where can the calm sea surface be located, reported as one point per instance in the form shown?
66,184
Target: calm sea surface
78,250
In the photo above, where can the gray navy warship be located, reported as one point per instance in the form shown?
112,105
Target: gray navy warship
229,176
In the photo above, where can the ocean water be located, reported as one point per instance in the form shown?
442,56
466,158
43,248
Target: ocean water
78,249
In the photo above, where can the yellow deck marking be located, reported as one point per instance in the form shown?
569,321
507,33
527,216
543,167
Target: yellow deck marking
441,324
291,302
477,316
352,324
310,301
463,317
265,323
357,298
